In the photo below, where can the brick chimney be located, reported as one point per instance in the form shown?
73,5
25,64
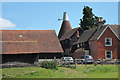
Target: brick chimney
100,22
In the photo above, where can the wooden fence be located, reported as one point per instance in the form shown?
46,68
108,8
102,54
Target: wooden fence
95,62
68,63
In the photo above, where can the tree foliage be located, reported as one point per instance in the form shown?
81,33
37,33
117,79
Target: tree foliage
89,20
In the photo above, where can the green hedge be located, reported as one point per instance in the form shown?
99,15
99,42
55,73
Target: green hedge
49,64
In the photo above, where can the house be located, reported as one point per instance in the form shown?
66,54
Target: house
68,36
28,46
83,41
102,42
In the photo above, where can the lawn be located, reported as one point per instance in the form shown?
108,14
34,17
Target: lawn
82,71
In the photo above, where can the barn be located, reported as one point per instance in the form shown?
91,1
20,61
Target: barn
27,46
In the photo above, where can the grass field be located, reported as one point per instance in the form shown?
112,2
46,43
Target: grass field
82,71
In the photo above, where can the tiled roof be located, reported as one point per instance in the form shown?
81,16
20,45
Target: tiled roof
94,33
116,29
98,32
30,41
86,35
68,34
64,28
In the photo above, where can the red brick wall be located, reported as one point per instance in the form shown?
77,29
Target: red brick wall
119,50
93,48
101,44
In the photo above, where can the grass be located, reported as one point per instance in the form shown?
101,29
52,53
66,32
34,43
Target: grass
0,74
89,71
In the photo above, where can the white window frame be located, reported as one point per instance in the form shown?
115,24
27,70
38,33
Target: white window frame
106,54
110,42
78,45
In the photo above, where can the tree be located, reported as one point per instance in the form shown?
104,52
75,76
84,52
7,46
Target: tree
89,20
79,53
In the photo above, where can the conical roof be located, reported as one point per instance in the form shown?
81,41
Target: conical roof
65,27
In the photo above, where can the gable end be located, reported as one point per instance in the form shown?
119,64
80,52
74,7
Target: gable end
105,30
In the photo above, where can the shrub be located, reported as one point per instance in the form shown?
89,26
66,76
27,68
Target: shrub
49,64
95,63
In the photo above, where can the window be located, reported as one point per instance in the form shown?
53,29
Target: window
108,54
78,46
66,41
108,41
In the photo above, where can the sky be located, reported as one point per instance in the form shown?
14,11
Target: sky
44,15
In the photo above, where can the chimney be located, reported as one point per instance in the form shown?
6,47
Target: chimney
100,22
78,34
65,17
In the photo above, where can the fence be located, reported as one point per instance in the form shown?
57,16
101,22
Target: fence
17,64
95,62
67,63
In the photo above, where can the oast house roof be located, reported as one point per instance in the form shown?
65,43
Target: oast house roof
29,41
65,27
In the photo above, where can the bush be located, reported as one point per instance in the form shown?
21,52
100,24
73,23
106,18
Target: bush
49,64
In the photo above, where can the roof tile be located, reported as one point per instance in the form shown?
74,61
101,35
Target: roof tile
32,41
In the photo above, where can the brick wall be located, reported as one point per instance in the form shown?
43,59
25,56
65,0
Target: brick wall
93,48
101,44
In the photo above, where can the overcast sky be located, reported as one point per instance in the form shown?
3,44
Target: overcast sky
44,15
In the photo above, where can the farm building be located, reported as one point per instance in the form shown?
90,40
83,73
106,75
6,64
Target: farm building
29,45
102,41
68,36
65,26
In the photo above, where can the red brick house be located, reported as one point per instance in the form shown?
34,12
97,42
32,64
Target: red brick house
104,44
102,41
28,46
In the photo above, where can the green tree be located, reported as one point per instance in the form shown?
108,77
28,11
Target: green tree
89,20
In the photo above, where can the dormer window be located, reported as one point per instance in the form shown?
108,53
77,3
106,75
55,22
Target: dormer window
108,41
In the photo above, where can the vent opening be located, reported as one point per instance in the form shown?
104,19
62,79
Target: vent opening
20,35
